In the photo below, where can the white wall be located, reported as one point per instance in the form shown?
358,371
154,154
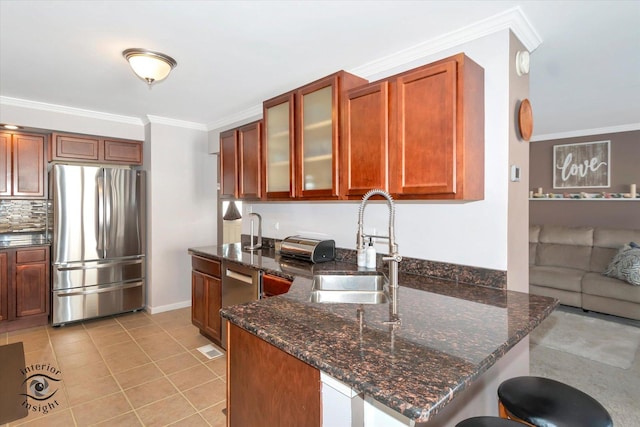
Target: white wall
182,211
473,233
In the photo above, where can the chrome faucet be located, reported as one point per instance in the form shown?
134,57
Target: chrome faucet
394,257
258,244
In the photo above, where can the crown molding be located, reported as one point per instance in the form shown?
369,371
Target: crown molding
512,19
63,109
174,122
240,116
587,132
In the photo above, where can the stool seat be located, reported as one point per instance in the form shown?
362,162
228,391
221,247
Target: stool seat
548,403
488,422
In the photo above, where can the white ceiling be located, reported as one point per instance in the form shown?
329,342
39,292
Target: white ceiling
233,55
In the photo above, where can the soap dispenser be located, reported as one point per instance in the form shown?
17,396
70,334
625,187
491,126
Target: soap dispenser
371,254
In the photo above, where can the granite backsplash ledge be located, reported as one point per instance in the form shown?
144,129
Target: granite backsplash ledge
441,270
19,216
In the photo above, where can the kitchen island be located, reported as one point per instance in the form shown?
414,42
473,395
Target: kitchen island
450,335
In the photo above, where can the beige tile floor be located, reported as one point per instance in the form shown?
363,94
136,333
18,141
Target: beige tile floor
128,370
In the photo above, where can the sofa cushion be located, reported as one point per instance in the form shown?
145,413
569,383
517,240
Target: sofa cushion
626,265
575,236
534,233
568,279
565,246
532,253
597,284
606,243
558,255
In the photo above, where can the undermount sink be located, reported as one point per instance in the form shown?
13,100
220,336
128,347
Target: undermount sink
349,289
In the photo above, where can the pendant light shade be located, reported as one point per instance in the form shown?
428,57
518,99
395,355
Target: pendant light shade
150,66
232,212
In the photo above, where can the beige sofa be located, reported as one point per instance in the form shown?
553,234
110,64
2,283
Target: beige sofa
567,263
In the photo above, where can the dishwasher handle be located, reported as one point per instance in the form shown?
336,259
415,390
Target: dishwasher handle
239,276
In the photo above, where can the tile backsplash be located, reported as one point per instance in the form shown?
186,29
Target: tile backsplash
24,215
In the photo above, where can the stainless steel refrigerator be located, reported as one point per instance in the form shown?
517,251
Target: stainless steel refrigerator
98,251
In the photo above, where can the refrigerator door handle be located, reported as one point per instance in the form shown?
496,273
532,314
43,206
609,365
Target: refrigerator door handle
107,197
97,264
99,291
100,225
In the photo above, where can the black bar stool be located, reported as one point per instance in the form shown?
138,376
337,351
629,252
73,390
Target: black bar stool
545,402
488,422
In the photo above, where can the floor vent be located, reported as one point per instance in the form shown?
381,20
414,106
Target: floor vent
210,351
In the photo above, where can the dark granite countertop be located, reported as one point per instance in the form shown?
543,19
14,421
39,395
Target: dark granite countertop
450,333
21,240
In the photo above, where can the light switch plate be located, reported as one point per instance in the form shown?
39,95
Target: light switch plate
515,173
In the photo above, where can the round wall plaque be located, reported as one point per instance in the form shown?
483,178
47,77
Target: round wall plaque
525,120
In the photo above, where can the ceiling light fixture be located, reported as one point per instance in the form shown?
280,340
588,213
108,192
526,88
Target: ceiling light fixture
11,127
150,66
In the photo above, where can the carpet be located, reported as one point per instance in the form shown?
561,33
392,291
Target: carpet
599,340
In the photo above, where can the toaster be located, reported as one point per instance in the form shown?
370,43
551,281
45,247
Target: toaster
308,249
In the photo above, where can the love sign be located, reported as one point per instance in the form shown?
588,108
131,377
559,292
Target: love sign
584,165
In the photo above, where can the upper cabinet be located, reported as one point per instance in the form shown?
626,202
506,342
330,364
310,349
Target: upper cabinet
94,149
365,142
301,146
22,165
428,124
240,162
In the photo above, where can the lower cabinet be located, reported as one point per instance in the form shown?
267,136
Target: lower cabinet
265,381
24,288
206,297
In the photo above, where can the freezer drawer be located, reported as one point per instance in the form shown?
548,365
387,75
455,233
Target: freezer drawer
79,274
96,301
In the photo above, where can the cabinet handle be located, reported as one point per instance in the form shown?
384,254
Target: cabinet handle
239,276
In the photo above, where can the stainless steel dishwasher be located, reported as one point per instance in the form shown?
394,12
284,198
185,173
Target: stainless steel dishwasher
240,284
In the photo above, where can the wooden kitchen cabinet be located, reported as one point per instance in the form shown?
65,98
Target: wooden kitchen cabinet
418,134
305,125
265,380
22,166
437,139
365,142
206,297
24,288
240,160
94,149
4,286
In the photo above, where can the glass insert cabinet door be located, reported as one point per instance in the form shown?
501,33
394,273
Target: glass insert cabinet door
317,152
278,147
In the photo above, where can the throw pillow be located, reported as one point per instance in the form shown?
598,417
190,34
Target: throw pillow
625,265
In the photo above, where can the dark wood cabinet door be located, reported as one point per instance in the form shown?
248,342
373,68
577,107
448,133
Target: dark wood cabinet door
72,147
128,152
249,146
5,164
212,324
198,299
4,286
28,166
228,164
32,294
424,156
265,380
364,142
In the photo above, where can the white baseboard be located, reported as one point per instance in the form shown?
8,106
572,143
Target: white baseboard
168,307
